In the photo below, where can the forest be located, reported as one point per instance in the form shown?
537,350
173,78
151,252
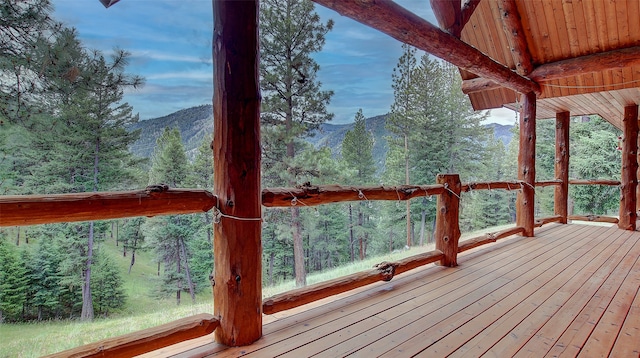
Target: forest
63,129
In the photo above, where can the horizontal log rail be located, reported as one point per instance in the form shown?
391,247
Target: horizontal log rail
505,185
594,182
384,271
594,218
547,220
147,340
544,183
488,238
309,195
18,210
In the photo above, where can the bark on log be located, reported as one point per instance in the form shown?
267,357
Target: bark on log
527,165
478,84
545,183
447,232
488,238
594,218
506,185
405,26
594,182
561,167
310,195
547,220
514,33
629,177
384,271
236,149
598,62
21,210
147,340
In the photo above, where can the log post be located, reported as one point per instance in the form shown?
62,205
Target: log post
629,175
447,232
527,165
561,192
237,250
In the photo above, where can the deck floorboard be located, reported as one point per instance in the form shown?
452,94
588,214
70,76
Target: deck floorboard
572,290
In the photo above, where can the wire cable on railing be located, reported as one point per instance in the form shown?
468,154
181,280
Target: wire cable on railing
218,215
446,187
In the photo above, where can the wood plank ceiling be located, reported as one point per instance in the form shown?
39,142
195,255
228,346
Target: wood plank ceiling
557,30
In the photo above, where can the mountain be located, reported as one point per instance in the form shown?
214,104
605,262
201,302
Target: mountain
193,123
197,122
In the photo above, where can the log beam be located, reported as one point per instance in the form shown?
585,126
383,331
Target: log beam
237,250
527,164
22,210
447,231
514,33
561,167
598,62
488,238
551,219
594,218
451,16
384,271
629,178
594,182
310,195
407,27
147,340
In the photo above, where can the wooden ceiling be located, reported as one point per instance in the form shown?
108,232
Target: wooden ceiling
535,33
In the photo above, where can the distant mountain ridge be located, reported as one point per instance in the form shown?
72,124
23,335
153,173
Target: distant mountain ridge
197,122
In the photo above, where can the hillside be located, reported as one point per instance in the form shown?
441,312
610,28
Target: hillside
196,122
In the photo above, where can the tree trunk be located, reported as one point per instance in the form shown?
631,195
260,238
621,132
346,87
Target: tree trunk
87,300
423,218
407,182
272,257
360,239
18,236
192,290
351,238
179,271
298,248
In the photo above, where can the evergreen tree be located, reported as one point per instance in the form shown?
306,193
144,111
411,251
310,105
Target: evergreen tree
594,156
169,234
107,285
357,153
402,119
293,104
13,283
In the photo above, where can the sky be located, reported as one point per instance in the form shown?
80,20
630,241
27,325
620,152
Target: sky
170,45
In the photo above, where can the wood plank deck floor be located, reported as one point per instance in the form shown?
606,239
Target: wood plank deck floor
573,290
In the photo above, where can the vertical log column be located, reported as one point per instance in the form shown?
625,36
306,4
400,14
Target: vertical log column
629,175
447,233
561,197
527,164
237,287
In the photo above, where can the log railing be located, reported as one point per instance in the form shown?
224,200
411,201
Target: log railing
147,340
159,200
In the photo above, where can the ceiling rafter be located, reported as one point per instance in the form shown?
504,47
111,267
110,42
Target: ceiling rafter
405,26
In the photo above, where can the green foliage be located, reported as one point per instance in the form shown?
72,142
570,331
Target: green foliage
106,286
13,283
594,156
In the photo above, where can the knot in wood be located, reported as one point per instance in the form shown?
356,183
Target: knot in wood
387,269
157,188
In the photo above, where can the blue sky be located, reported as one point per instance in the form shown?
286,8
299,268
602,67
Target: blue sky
170,43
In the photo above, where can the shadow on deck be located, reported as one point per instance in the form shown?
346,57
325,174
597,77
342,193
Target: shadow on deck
573,290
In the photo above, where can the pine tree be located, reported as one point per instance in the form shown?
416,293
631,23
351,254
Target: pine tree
13,283
293,104
357,152
107,285
169,234
402,119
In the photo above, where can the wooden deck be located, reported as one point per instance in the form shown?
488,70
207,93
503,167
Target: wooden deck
573,290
